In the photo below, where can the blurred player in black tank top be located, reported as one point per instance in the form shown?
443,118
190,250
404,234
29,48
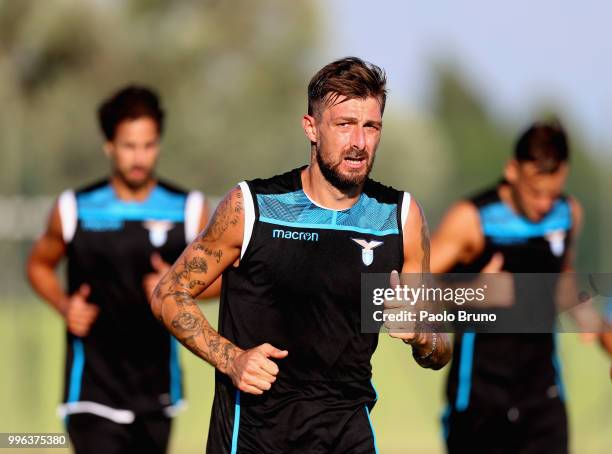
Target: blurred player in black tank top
123,380
293,368
505,392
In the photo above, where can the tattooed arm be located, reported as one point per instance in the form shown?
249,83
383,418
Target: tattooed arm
430,350
173,301
160,267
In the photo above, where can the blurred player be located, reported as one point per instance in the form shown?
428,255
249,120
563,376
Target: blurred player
123,379
293,369
504,390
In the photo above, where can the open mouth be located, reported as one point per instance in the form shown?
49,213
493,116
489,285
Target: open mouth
354,162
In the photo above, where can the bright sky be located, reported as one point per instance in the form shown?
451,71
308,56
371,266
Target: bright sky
518,55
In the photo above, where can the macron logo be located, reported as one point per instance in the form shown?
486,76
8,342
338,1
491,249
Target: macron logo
290,235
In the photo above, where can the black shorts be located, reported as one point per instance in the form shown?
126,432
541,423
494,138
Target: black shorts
305,417
92,434
536,426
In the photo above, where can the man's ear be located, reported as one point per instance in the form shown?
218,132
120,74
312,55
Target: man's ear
108,148
511,171
309,123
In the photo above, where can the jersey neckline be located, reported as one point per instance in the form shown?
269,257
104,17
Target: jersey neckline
301,188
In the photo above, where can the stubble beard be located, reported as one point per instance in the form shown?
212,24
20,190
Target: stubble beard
334,177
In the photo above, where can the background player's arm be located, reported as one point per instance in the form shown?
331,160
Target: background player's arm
44,257
46,254
458,238
577,217
585,316
416,260
173,301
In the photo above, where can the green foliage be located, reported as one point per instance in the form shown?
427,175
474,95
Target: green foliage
231,76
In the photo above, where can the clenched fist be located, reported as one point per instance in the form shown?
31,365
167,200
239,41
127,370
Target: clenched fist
150,281
80,314
252,371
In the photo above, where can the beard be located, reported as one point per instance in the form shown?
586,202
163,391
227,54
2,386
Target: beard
336,178
134,183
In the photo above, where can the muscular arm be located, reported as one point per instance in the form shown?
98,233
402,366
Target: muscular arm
577,216
416,260
214,289
44,257
458,239
586,317
173,301
202,262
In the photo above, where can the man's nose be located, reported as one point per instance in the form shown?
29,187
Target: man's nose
141,154
358,138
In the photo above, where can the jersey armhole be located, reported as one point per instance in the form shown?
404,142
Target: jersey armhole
570,208
481,226
67,207
193,213
405,208
249,216
403,217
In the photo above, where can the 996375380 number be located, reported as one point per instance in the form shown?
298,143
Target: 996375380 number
33,440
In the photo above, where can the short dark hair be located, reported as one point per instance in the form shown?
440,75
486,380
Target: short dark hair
131,102
350,77
545,145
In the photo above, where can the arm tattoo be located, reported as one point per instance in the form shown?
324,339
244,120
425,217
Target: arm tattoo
182,299
191,344
195,283
198,265
216,254
186,321
425,244
228,213
180,312
219,351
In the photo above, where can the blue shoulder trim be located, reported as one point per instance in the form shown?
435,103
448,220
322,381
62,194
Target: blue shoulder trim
501,223
295,209
103,205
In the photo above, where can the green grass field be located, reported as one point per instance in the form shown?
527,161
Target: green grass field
406,417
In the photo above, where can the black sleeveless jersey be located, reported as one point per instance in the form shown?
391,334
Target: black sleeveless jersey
527,247
298,282
298,288
508,367
128,364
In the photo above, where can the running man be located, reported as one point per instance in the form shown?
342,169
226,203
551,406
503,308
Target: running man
293,368
123,379
504,390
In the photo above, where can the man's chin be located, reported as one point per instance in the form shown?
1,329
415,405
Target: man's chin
136,183
347,183
355,177
342,178
533,217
